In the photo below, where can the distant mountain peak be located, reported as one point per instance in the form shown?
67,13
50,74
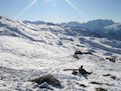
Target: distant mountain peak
34,22
100,22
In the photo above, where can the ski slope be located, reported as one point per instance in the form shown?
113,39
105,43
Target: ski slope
28,51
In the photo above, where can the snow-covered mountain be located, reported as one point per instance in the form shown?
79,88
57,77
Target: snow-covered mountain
97,25
113,31
29,50
34,22
98,28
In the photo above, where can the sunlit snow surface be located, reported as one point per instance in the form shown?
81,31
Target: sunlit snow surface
28,51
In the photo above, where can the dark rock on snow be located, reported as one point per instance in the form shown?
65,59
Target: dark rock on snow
100,89
45,85
48,79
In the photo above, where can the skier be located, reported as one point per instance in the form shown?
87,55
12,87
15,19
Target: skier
83,72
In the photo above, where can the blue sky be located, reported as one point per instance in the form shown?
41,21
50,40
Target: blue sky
61,10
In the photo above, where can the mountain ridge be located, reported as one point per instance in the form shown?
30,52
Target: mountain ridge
29,51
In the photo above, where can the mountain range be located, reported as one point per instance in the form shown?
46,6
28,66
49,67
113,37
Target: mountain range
31,49
99,28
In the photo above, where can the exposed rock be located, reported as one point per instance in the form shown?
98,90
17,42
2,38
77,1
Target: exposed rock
97,83
111,76
107,75
82,85
48,79
100,89
80,53
112,59
45,85
35,85
76,54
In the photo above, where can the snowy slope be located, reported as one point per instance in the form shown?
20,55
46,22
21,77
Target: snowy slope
28,51
96,25
97,28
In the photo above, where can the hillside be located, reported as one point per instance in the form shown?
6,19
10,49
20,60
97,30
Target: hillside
29,50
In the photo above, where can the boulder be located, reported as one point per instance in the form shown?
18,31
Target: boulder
46,86
78,52
100,89
112,59
48,79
